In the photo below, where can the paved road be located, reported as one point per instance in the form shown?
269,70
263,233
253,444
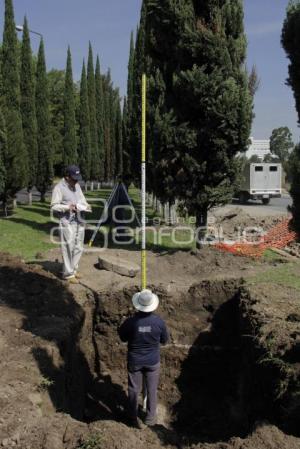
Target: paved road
277,206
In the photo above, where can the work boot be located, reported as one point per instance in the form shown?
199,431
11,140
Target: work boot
71,280
78,275
135,423
150,422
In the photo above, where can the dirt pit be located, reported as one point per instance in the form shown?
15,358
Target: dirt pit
63,368
200,392
236,222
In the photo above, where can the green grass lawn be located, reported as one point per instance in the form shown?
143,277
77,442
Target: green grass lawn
287,275
27,231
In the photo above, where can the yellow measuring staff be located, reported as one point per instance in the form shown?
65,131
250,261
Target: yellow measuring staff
143,183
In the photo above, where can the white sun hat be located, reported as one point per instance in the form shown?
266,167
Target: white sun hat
145,301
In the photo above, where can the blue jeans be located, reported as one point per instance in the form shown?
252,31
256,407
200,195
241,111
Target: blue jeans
136,376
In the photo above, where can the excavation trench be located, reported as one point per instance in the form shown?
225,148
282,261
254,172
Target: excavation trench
207,390
233,358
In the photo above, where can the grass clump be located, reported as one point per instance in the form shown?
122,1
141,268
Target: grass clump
93,442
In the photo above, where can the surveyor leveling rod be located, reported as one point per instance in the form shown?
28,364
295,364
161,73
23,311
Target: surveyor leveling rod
143,183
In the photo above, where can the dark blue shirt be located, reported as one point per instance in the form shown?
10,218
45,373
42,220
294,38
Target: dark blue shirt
144,333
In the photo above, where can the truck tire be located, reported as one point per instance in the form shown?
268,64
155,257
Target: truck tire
243,198
266,201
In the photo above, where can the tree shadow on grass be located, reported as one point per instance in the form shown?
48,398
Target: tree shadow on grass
45,227
39,209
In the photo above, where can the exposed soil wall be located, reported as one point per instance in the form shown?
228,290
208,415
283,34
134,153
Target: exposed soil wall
270,322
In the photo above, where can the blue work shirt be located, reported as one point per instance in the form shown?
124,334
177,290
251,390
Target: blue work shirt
144,332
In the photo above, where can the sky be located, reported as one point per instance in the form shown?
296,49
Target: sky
108,23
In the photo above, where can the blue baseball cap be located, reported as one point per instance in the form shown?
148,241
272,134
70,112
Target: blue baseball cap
74,172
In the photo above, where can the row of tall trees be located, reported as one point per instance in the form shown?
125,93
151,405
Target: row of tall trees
199,99
291,44
48,122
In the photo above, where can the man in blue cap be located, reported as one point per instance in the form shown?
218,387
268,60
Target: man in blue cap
70,204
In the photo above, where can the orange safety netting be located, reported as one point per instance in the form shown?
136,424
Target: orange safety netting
278,237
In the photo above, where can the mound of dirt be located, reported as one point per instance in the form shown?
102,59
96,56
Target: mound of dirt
294,249
237,222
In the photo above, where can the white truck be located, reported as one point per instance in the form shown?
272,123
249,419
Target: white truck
261,181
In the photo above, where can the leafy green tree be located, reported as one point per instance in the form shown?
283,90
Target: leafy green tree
281,143
200,107
56,87
255,159
95,160
253,81
269,158
84,147
69,134
16,157
28,106
291,41
100,116
45,162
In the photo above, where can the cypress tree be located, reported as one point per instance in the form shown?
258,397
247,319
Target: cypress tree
95,162
84,148
200,107
119,140
107,132
69,132
45,163
28,106
100,114
290,40
130,81
56,88
3,142
128,109
294,172
112,128
126,154
291,43
138,68
16,159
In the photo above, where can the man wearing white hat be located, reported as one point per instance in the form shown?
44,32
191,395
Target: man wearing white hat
144,332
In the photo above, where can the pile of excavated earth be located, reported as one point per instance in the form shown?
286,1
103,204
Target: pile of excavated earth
230,375
232,224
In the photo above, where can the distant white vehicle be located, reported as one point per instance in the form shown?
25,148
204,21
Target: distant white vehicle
261,181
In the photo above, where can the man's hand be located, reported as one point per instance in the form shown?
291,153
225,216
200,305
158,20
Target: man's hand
73,207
